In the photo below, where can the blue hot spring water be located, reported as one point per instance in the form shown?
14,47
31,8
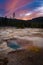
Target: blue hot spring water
13,45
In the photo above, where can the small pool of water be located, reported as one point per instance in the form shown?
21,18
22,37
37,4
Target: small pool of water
13,44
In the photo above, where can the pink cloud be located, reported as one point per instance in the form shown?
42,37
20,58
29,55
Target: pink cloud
12,5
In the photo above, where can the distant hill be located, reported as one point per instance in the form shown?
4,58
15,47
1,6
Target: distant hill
39,19
34,23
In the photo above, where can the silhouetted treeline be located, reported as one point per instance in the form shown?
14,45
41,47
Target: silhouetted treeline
34,23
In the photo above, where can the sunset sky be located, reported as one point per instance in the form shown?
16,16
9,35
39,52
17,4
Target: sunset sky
24,9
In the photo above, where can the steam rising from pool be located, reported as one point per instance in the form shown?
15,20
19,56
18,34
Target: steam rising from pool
30,34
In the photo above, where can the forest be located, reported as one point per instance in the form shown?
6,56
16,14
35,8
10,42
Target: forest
34,23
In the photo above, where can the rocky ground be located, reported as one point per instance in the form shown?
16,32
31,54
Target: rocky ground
28,39
24,57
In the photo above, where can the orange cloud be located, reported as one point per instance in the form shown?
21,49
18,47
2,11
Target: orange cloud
29,17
